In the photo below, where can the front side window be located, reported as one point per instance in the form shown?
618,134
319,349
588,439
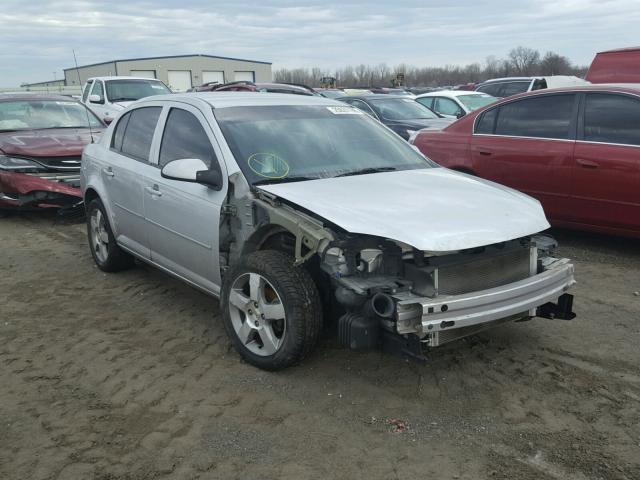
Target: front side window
610,118
289,143
139,132
400,109
87,89
546,116
38,114
98,90
131,90
184,137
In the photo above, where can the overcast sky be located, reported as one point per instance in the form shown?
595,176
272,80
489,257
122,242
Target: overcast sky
37,36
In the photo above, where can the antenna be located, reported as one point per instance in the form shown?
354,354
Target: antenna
86,109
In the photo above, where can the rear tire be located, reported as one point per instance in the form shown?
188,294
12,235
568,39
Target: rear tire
271,310
109,257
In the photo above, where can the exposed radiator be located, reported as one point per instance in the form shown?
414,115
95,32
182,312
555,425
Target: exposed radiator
484,272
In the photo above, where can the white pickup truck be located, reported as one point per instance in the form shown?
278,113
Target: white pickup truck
106,96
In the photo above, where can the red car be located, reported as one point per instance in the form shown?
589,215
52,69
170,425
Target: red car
577,150
41,142
615,66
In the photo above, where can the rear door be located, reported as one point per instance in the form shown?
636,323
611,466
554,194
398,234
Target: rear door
184,217
606,177
128,163
527,144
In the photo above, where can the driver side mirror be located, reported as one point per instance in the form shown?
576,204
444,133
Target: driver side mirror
460,114
192,170
107,120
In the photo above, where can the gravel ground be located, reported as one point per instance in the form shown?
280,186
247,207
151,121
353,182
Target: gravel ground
130,376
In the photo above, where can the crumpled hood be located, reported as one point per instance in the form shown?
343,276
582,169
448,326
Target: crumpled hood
47,143
434,209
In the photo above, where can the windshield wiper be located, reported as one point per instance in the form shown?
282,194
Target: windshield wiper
364,171
268,181
123,99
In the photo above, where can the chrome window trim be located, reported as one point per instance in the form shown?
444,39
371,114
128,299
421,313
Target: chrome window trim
542,92
609,143
523,137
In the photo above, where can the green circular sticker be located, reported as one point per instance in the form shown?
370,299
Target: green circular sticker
268,165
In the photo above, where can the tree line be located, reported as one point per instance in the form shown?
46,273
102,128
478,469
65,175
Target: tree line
521,61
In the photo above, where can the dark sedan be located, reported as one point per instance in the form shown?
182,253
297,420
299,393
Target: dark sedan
41,142
403,115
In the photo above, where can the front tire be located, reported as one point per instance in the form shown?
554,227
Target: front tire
109,257
271,310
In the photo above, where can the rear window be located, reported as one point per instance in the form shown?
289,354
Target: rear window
610,118
545,116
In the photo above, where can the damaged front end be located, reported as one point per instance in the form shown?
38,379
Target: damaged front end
393,296
406,299
27,183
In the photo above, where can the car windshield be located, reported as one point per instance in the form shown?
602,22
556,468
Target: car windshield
400,109
130,90
472,102
291,143
40,114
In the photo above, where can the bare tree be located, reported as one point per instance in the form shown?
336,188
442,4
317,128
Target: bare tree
520,61
524,61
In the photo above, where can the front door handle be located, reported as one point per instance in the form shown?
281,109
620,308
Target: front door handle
155,190
108,171
484,152
587,163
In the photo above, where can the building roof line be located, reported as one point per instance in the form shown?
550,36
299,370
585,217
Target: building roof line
166,56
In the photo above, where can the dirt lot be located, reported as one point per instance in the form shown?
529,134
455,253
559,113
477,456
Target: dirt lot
130,376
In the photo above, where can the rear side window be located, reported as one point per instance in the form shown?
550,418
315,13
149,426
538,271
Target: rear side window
139,132
487,122
612,118
426,101
512,88
184,137
546,116
118,133
492,89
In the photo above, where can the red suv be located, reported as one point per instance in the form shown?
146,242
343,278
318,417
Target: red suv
577,150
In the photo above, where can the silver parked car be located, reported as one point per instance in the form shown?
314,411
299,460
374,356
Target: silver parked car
296,210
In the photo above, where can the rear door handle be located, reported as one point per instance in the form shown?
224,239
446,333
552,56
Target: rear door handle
155,190
484,152
108,171
587,163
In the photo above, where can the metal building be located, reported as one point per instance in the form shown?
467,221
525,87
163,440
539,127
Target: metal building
178,72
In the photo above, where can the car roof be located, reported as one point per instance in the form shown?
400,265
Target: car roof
633,88
377,96
529,79
35,96
451,93
242,99
121,77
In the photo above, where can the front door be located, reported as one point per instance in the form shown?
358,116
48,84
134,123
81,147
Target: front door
606,177
184,217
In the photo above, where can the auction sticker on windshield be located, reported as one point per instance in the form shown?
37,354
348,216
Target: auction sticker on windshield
344,110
